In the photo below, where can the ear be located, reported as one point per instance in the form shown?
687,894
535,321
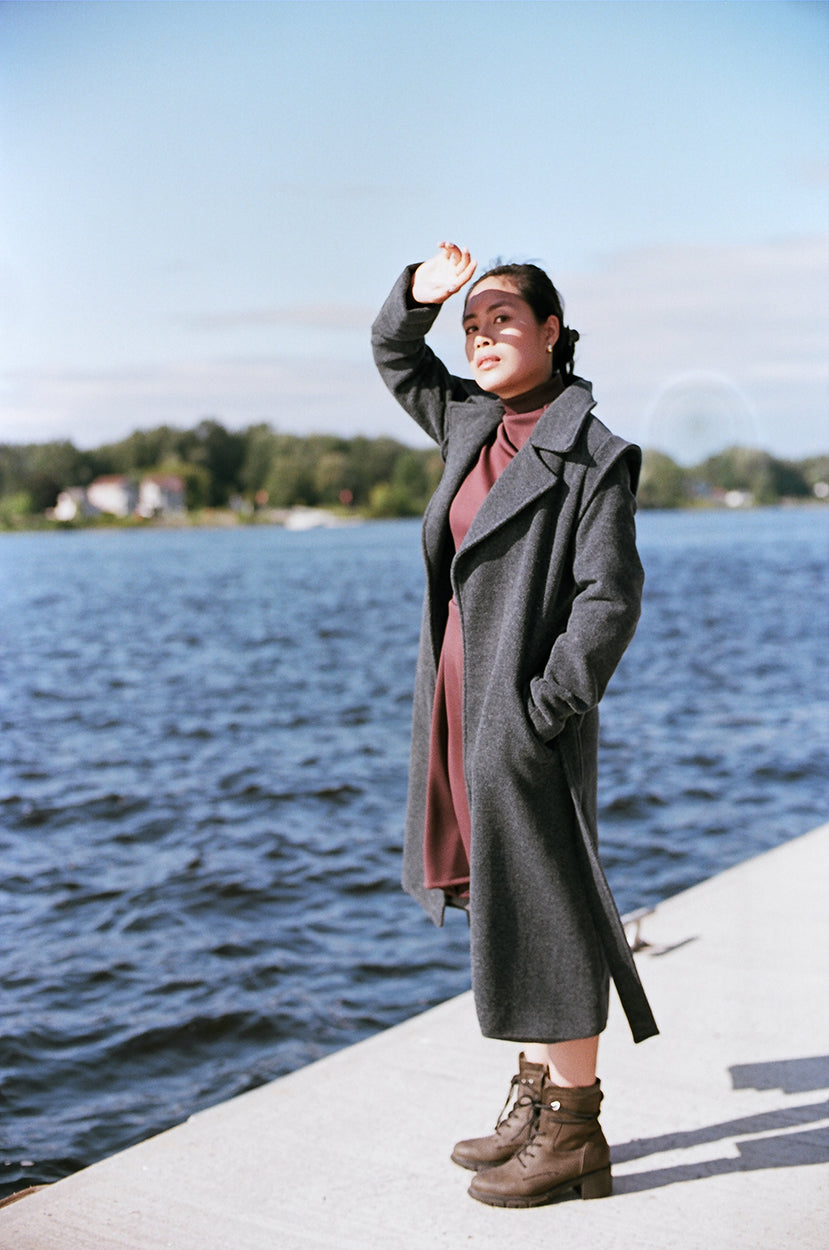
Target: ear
552,327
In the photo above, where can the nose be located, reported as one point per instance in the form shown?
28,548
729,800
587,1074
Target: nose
481,339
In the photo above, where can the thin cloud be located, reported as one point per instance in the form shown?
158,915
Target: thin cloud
757,315
329,317
344,397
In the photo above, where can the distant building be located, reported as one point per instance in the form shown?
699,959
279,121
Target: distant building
114,494
161,494
71,504
158,494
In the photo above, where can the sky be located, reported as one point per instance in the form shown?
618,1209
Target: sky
203,205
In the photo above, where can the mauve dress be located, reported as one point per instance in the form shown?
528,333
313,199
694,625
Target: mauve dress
448,828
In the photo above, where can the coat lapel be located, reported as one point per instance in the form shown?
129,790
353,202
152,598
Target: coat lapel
536,467
559,427
471,422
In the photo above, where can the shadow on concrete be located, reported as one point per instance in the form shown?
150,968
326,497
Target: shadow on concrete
781,1149
793,1076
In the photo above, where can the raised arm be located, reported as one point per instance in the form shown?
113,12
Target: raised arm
419,381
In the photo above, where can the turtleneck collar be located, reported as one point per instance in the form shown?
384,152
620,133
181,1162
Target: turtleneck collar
538,398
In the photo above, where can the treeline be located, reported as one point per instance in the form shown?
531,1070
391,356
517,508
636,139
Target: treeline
260,468
740,475
256,467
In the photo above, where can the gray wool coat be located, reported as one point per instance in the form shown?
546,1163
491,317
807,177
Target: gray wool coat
548,585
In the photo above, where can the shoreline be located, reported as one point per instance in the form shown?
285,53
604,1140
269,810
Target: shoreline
304,518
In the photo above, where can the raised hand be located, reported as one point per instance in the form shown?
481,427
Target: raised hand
436,279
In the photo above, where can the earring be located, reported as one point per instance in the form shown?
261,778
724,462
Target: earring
550,348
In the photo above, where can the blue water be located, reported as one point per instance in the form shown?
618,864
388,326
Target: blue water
203,744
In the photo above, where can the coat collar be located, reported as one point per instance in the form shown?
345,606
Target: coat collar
559,426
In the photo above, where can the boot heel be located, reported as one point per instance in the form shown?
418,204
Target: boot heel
597,1185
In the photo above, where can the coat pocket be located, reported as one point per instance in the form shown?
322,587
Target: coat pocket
545,730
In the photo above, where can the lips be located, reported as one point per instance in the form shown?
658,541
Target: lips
487,362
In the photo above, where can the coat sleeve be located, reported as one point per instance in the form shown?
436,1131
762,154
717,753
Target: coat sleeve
418,380
606,605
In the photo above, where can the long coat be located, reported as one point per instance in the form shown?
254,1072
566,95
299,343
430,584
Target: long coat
548,585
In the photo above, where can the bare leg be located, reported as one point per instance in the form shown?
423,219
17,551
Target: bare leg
571,1064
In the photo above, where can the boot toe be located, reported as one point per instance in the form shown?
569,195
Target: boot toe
478,1154
464,1155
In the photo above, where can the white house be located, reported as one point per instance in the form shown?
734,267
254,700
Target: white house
161,493
114,494
72,503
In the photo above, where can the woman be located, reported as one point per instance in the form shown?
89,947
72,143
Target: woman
533,593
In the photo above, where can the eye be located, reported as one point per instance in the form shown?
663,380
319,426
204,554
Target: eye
501,317
471,329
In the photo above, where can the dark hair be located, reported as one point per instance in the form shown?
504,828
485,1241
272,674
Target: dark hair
536,289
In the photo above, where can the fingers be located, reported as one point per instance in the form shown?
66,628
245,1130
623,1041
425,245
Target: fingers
461,261
467,271
455,255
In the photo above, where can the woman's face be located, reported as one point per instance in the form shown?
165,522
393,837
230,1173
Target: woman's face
505,345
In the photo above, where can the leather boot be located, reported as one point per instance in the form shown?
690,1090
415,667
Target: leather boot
566,1150
512,1130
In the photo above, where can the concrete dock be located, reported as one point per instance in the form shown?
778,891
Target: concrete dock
719,1127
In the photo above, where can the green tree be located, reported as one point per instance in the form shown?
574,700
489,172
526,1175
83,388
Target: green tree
663,483
139,451
290,481
15,509
372,460
756,472
261,446
222,454
333,476
41,471
815,470
385,501
789,480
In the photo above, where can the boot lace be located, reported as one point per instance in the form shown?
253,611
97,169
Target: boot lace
522,1101
559,1116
